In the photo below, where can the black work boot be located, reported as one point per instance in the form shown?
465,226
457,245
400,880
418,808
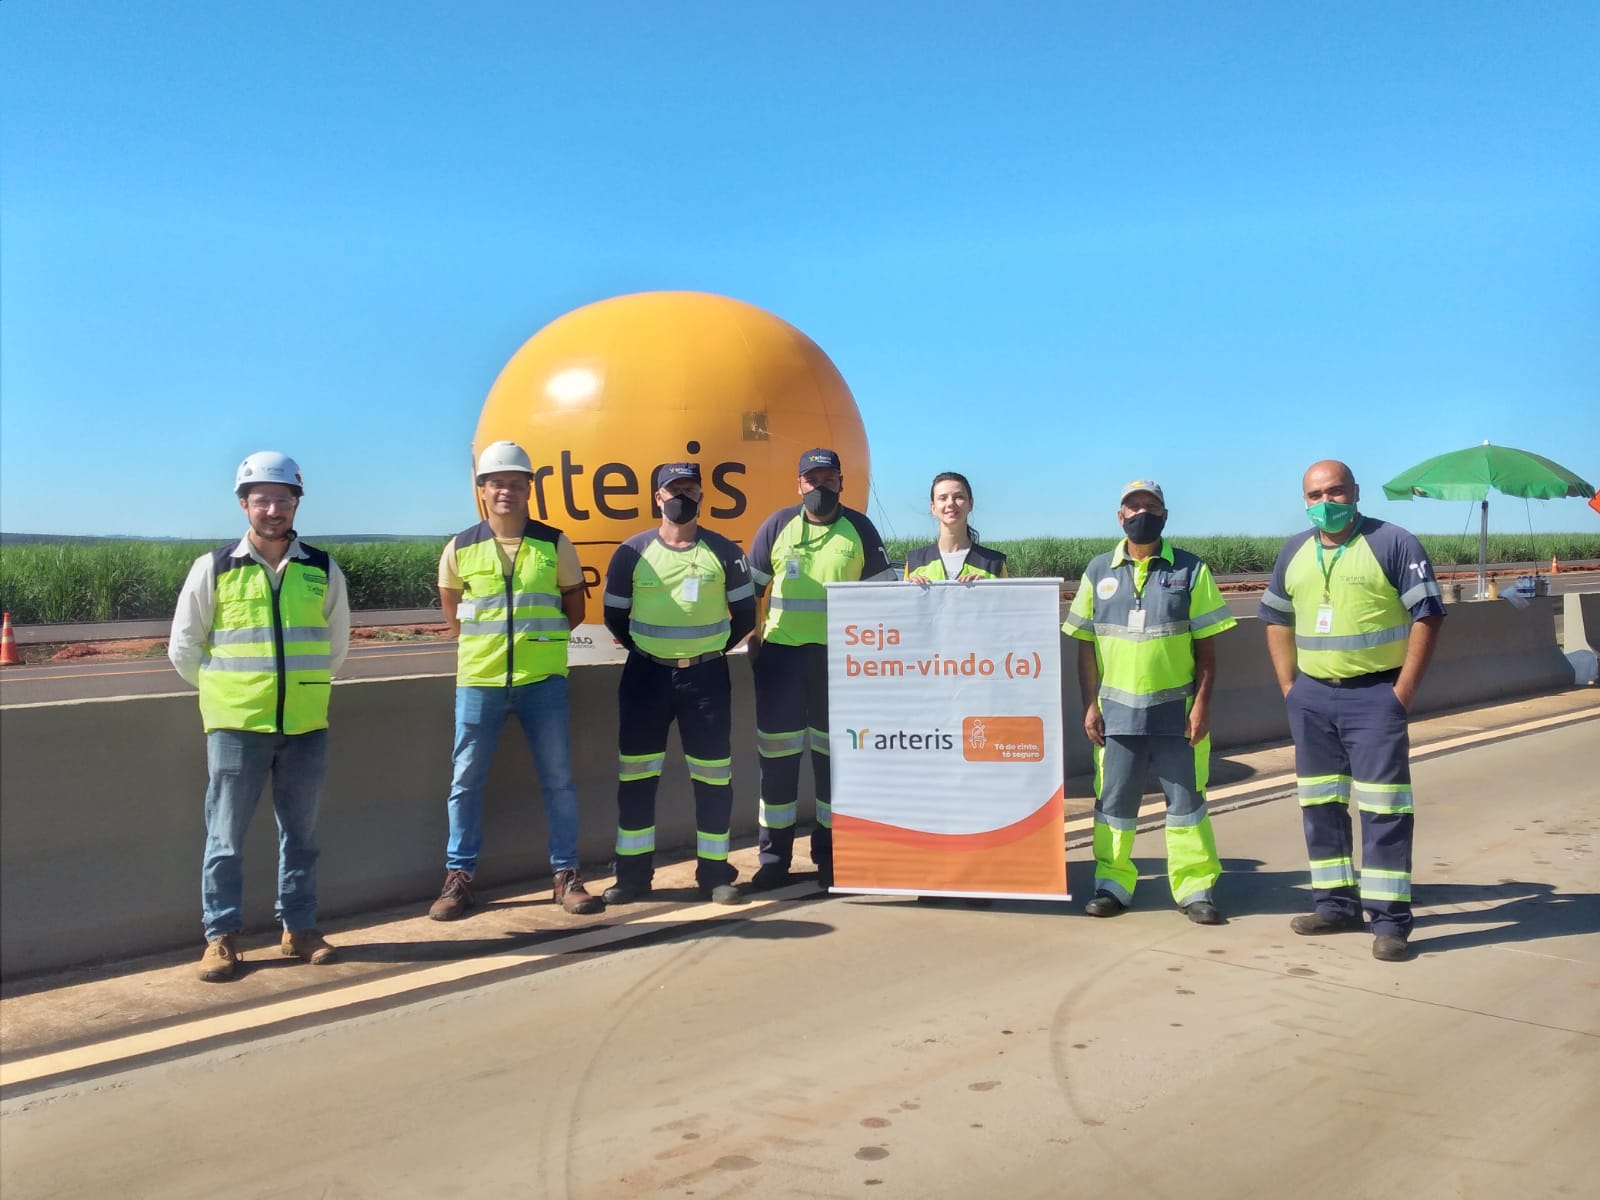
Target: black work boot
769,876
1313,924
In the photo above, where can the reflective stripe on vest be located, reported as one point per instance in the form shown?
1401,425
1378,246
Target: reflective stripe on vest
662,621
1146,663
797,612
1369,627
513,629
267,663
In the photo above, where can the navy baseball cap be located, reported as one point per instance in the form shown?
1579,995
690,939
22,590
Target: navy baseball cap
667,472
813,459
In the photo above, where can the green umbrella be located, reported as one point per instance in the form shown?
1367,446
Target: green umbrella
1472,473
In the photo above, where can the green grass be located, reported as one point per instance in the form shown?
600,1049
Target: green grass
1067,557
48,584
54,583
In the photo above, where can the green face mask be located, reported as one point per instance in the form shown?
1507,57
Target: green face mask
1331,516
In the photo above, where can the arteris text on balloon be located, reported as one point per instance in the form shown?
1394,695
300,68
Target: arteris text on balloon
616,481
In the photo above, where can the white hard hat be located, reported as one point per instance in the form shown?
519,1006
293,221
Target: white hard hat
503,456
267,466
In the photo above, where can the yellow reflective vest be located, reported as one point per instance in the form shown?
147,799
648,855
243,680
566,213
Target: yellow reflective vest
925,562
1352,610
267,665
800,557
1144,616
513,629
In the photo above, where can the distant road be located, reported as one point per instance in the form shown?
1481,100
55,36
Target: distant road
1584,577
89,679
92,679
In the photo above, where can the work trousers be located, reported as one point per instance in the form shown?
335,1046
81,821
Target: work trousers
1183,770
1350,739
650,697
239,764
791,713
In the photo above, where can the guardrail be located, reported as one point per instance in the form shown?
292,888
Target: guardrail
100,802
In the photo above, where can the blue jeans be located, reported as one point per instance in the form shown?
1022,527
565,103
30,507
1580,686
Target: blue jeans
239,764
481,712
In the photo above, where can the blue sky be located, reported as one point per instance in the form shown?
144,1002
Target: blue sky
1052,246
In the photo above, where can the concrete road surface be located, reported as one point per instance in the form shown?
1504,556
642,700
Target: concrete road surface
856,1047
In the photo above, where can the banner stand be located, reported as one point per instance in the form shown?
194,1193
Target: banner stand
947,757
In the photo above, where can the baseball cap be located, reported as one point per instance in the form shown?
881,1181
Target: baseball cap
812,459
1143,485
667,472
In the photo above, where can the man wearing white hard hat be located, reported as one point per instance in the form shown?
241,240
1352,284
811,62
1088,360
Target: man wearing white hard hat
261,626
511,589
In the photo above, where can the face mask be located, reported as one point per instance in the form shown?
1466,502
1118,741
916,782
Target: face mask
820,501
1144,529
1331,516
680,510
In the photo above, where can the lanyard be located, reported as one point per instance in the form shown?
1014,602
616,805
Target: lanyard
1327,571
1139,588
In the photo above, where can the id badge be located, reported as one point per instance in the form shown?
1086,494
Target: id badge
791,569
1136,619
690,590
1325,619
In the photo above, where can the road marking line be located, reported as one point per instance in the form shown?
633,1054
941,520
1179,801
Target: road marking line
93,700
1577,962
99,1054
1267,784
60,676
186,690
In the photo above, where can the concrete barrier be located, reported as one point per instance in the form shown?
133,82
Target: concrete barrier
1581,626
100,803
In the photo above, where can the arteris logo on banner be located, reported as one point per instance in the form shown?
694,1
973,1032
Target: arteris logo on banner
901,739
982,739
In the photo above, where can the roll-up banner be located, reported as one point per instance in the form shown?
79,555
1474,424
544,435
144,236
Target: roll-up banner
944,711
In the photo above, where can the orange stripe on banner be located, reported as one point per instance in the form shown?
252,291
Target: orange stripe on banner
921,839
1025,857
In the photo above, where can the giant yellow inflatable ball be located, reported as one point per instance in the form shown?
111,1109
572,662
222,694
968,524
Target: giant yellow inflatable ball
601,397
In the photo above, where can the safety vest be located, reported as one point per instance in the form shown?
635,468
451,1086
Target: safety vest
1369,625
513,629
925,562
665,620
267,666
1146,663
805,556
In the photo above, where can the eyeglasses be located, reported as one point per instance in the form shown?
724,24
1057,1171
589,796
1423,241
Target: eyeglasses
268,503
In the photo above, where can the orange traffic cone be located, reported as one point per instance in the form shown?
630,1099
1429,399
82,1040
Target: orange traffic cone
8,645
1555,567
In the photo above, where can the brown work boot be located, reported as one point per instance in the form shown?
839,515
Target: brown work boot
573,896
454,898
220,961
308,944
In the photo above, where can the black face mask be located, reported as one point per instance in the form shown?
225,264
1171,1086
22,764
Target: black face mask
1144,529
680,510
820,501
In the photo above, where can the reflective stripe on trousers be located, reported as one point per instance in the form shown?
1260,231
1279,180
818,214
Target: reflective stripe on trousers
1183,770
1353,742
